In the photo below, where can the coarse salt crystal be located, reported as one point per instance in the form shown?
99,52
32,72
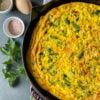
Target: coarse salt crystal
15,27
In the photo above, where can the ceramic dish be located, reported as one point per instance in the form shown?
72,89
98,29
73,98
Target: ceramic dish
8,9
6,25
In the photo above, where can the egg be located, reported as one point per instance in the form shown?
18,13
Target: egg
24,6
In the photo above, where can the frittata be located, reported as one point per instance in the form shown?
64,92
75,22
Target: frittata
64,52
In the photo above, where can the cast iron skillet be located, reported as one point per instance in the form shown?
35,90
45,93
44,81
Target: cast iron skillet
41,94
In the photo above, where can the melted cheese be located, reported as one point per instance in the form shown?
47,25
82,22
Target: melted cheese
64,52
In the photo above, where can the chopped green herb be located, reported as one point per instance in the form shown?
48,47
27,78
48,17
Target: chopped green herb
81,54
81,73
94,71
59,43
77,18
53,36
42,54
89,93
50,60
67,21
51,82
81,85
67,83
65,76
79,96
58,21
51,52
50,20
49,67
97,12
64,33
54,72
51,23
76,26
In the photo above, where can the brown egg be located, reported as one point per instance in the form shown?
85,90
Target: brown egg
24,6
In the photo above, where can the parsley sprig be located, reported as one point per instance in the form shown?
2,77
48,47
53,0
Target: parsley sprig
12,67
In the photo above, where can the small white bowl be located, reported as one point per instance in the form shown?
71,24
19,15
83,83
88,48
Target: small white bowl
6,30
8,9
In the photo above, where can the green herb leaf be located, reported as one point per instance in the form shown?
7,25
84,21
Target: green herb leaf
51,23
11,75
42,54
53,73
66,80
49,67
51,52
53,36
81,54
58,21
77,18
12,68
11,49
4,51
59,43
67,21
68,83
8,62
97,12
76,26
50,60
65,76
64,33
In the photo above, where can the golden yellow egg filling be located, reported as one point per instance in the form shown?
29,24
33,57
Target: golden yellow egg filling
64,52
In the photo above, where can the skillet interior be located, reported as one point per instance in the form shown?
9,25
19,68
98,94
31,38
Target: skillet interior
43,95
